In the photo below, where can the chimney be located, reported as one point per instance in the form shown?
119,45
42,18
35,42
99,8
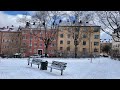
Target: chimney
7,27
3,28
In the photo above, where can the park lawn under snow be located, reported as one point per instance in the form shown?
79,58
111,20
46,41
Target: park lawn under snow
101,68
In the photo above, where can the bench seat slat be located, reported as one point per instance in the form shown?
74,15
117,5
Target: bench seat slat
53,67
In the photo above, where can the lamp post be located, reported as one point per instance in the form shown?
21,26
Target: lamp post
91,50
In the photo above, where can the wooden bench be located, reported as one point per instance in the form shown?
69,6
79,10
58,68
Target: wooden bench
34,61
58,66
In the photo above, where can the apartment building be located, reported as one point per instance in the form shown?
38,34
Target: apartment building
88,40
33,42
10,42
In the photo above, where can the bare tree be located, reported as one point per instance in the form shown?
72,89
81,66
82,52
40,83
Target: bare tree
48,21
80,18
110,23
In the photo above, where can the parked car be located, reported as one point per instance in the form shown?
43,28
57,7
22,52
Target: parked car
35,56
105,55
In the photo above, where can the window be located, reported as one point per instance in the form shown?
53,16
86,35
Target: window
61,41
35,50
40,44
95,50
40,38
68,35
52,38
35,44
84,36
5,40
35,32
61,29
24,32
24,44
61,48
84,42
84,50
41,32
84,29
52,45
30,44
96,36
96,43
68,48
69,30
35,38
24,37
68,42
31,37
96,29
61,35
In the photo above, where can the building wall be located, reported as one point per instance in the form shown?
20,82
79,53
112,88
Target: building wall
88,30
10,42
36,39
115,45
22,42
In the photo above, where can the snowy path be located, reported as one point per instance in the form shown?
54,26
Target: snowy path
101,68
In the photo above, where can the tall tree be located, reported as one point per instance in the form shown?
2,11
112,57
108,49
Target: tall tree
106,49
44,20
110,23
81,18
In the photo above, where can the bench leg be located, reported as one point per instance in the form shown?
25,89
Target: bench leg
51,70
61,72
38,65
28,63
31,64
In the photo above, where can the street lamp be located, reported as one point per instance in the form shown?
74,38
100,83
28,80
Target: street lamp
91,50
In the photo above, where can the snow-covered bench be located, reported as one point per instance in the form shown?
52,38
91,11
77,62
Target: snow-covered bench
34,61
58,65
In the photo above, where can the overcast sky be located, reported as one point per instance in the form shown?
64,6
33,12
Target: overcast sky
8,18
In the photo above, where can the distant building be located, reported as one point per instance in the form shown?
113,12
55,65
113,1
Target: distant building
10,42
103,44
115,45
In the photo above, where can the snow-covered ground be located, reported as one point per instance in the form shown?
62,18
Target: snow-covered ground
101,68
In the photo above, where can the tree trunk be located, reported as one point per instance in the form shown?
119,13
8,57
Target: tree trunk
75,51
46,50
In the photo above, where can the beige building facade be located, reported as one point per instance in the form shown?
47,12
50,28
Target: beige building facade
88,40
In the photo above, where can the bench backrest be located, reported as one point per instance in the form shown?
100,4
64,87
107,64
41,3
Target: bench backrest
37,61
61,65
